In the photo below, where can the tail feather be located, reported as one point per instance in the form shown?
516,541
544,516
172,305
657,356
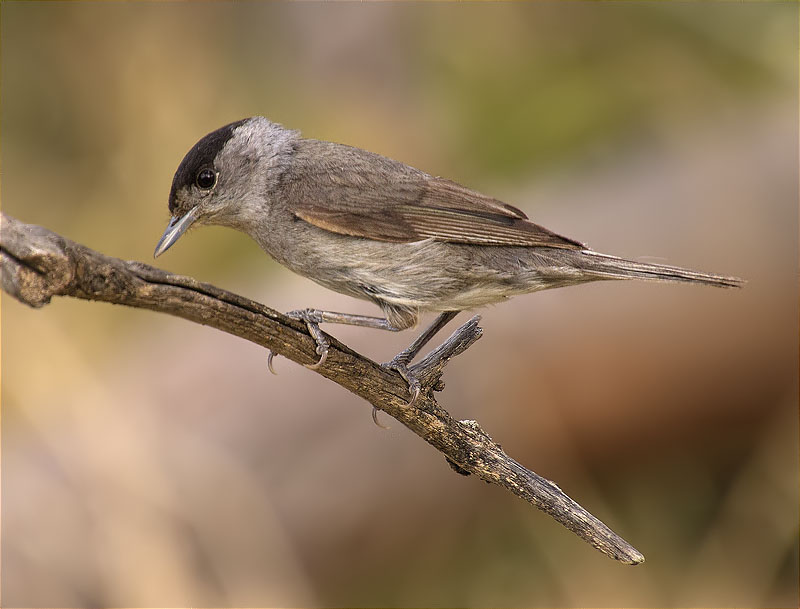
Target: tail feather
611,267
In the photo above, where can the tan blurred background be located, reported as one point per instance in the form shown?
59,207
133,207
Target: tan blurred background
148,461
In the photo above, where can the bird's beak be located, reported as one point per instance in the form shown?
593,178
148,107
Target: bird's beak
175,228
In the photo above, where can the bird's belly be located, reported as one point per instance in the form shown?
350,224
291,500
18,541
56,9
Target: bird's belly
426,275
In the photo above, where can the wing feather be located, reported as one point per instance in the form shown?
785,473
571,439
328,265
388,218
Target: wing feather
367,195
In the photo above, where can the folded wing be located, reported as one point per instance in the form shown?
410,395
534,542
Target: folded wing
366,195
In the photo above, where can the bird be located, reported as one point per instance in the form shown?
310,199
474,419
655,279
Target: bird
376,229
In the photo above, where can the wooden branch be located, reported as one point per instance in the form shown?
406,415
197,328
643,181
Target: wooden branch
38,264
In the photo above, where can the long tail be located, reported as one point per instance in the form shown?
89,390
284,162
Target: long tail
611,267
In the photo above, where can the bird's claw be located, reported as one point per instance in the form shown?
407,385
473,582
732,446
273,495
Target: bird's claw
400,364
321,350
270,357
375,419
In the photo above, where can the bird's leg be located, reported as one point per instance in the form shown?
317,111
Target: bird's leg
401,361
331,317
314,317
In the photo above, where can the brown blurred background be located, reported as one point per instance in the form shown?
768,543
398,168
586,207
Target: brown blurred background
149,461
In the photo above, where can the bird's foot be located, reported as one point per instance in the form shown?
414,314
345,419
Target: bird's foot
312,319
400,363
429,368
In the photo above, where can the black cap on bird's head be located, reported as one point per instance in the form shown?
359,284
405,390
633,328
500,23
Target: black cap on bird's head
195,176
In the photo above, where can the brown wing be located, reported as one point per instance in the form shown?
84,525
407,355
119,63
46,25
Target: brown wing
367,195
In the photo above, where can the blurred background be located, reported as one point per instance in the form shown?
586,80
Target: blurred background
148,461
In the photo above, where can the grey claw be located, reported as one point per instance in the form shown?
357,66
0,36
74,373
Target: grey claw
322,351
269,362
375,419
414,386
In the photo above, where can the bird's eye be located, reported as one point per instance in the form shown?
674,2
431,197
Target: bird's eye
206,178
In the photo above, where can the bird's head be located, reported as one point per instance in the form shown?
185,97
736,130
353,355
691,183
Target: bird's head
227,177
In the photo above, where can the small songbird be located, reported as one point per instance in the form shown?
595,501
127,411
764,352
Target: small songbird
376,229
